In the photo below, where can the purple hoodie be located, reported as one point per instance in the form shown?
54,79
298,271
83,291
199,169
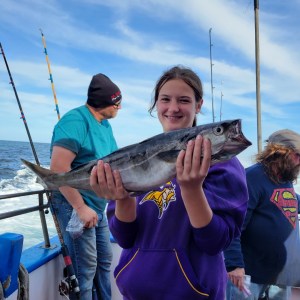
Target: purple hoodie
164,257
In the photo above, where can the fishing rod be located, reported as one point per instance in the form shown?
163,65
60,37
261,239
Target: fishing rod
20,107
50,74
42,216
71,283
211,77
73,280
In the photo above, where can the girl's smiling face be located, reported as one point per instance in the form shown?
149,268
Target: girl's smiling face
176,105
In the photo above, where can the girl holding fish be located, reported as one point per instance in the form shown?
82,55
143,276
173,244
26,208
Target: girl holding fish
173,237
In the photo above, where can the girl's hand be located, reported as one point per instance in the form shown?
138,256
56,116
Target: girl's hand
106,183
192,167
192,164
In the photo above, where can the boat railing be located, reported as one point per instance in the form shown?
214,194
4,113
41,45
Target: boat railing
42,207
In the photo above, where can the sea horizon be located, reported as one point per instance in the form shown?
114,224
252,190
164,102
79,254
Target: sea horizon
16,178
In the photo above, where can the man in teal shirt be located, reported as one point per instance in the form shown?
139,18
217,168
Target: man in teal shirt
82,135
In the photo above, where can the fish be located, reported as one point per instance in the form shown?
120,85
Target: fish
151,163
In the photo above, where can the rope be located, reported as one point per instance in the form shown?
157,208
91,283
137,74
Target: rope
23,285
1,292
23,281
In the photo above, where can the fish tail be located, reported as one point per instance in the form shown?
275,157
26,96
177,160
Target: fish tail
39,171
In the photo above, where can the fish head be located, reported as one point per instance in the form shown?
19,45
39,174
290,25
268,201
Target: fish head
227,139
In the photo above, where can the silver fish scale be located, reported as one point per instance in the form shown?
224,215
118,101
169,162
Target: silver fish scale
152,162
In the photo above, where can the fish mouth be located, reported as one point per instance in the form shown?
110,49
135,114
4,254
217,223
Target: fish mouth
234,146
237,144
238,141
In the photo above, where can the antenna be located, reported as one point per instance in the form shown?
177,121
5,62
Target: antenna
211,77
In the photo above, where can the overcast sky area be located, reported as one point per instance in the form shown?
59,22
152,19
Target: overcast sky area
133,42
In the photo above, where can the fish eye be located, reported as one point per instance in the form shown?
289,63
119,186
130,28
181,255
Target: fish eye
218,130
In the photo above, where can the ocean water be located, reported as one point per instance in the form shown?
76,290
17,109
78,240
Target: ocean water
16,178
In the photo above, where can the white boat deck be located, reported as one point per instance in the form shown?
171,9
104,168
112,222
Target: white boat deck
45,267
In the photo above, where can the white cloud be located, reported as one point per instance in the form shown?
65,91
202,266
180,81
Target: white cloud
138,40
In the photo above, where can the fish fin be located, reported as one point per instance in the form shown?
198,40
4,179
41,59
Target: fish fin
136,193
39,171
168,156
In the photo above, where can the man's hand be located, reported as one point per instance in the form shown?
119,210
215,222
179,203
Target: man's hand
237,277
88,216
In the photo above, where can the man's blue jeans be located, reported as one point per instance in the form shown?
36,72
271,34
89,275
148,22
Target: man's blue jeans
91,253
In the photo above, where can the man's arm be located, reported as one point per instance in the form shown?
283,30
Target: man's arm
234,263
61,162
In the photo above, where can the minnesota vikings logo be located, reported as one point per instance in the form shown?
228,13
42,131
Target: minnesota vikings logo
286,201
161,198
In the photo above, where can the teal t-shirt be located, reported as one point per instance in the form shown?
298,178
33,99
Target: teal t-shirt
79,132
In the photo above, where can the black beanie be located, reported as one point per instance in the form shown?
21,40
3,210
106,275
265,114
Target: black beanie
103,92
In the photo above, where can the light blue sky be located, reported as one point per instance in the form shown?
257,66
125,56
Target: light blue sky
133,42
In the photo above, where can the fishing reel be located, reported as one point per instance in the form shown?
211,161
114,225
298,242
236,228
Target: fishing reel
68,285
64,288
